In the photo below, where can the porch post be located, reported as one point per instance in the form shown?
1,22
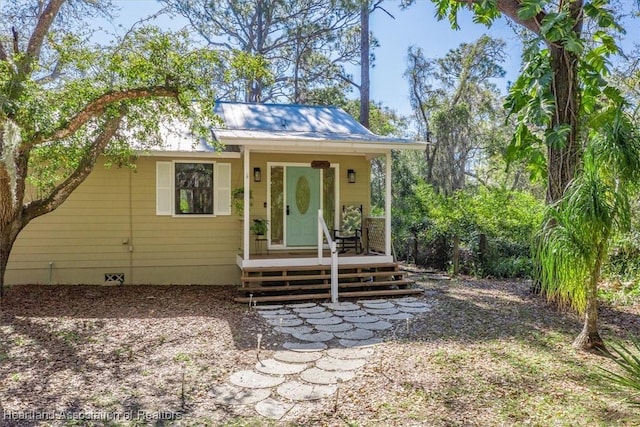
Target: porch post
387,205
247,205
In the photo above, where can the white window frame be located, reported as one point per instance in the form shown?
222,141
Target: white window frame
221,190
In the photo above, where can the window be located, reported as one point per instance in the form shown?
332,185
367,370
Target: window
193,188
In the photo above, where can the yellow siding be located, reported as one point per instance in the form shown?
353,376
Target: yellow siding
109,225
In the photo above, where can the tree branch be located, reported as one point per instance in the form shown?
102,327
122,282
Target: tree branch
62,191
477,178
348,80
96,107
377,6
57,72
39,33
510,9
14,40
3,52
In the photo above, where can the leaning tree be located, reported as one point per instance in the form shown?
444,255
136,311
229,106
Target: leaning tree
66,99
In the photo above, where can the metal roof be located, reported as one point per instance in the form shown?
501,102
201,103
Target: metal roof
176,137
289,122
274,127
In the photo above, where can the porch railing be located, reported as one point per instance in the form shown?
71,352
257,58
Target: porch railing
322,228
375,234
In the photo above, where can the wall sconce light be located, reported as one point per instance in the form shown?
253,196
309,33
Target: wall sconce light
351,176
257,175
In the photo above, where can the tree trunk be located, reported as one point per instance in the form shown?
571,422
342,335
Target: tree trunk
364,64
483,250
563,160
8,235
589,339
4,260
456,255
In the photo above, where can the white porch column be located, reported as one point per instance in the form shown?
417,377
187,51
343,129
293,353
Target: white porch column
247,205
387,206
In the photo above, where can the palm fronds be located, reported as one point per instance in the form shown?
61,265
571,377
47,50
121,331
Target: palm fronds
628,359
572,244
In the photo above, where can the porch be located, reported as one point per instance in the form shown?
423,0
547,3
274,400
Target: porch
294,275
313,282
303,169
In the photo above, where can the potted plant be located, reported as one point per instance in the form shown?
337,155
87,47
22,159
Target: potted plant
237,200
259,227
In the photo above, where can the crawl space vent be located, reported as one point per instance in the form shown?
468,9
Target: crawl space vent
114,278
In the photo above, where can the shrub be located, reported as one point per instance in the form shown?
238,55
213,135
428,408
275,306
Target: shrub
495,227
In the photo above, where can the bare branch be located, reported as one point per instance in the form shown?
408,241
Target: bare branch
99,105
348,80
477,178
377,6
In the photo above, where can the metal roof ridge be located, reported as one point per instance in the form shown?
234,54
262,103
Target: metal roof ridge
279,104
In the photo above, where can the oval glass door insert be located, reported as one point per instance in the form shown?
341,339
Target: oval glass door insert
303,195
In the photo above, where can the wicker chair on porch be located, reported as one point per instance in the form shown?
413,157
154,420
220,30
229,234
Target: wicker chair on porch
349,236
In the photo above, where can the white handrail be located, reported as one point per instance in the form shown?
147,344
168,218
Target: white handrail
322,228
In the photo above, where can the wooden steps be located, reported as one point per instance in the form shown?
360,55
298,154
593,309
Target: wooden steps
314,282
327,295
257,289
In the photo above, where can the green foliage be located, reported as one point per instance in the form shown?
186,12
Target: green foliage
620,293
237,200
249,68
623,262
458,110
568,48
624,257
573,243
506,219
628,360
259,227
531,97
508,267
146,58
500,213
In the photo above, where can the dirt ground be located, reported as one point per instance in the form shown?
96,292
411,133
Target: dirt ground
490,353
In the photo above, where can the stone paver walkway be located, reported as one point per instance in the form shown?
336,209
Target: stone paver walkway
328,344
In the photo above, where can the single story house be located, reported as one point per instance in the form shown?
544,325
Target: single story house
183,215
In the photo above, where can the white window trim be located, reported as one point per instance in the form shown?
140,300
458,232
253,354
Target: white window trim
217,210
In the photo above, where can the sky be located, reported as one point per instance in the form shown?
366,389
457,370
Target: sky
415,26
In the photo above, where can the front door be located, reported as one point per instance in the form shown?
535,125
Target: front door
302,204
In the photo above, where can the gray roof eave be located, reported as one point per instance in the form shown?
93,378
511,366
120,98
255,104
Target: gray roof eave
316,142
